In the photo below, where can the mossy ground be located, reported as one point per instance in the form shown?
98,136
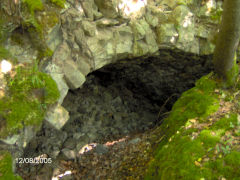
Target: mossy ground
6,172
201,138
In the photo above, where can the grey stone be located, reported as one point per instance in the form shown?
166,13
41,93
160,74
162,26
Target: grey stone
182,16
73,76
202,31
67,177
11,139
88,8
57,75
139,28
70,143
78,135
151,19
57,116
54,37
25,53
69,154
89,28
166,33
108,8
101,149
62,85
103,22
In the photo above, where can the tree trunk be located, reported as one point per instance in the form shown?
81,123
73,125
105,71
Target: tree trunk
227,42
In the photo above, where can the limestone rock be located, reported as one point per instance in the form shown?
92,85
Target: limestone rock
123,41
184,21
89,28
54,38
202,31
140,28
22,138
140,48
72,74
83,64
11,139
88,9
61,54
108,7
103,22
58,76
62,86
57,116
166,34
171,3
69,154
101,47
182,16
150,39
151,19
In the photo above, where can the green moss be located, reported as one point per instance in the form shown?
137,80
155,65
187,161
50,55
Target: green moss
4,54
180,158
6,172
176,161
30,20
33,5
30,92
228,166
52,93
216,14
59,3
199,101
226,123
209,140
45,52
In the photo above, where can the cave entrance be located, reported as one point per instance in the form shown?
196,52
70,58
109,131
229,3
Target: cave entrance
130,96
126,98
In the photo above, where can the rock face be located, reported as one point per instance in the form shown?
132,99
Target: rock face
97,33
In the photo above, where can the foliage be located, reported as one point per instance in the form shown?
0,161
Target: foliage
216,14
4,53
6,167
195,147
59,3
30,92
33,6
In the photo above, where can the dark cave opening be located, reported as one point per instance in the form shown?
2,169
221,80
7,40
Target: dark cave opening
131,96
118,100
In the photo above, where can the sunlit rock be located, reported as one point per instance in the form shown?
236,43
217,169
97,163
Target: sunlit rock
6,66
74,77
57,116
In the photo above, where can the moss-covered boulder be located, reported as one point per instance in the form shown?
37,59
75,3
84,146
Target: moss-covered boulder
201,138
